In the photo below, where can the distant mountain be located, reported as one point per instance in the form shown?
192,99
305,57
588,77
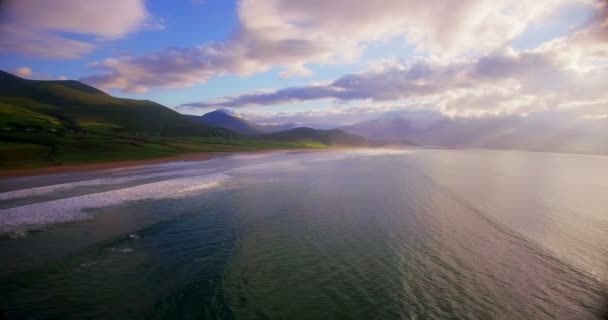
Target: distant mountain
388,130
75,106
51,123
535,133
333,137
283,133
224,119
278,127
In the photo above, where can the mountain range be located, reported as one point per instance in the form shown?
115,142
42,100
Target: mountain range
67,105
334,137
46,123
535,132
223,119
226,119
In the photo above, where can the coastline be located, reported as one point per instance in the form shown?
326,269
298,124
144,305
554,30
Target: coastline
19,173
197,156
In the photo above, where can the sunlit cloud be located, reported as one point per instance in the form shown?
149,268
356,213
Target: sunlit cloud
295,34
23,72
41,28
563,73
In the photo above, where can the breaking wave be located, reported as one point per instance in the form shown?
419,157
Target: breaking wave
23,193
71,209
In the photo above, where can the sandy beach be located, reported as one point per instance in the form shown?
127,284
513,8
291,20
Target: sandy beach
199,156
107,165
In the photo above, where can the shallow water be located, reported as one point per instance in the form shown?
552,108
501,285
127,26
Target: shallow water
369,234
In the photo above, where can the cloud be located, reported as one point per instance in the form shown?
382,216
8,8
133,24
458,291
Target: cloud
564,73
292,34
28,73
23,72
15,39
419,77
40,28
328,117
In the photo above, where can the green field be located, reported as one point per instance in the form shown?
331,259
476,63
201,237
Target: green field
54,123
24,150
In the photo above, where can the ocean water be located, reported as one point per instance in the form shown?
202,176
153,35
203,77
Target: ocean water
364,234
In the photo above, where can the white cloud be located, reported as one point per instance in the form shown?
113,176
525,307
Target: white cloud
34,27
294,33
327,117
564,74
28,73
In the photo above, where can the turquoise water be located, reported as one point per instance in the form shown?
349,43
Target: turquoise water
370,234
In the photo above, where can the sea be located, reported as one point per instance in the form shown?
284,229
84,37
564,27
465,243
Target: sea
395,233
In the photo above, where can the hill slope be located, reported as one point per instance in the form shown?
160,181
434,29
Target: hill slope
278,127
333,137
75,106
50,123
46,123
223,119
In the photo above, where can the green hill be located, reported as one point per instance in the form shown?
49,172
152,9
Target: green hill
333,137
75,106
50,123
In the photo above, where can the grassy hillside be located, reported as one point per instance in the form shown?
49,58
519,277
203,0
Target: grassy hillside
74,106
51,123
327,137
27,150
48,123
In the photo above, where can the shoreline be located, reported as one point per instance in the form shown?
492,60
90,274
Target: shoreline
21,173
197,156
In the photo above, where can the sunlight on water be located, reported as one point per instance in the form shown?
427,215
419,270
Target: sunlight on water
361,234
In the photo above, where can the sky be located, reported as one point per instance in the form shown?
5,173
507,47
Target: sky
322,62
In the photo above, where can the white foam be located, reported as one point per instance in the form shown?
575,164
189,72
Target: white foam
283,164
70,209
121,250
24,193
261,155
298,161
369,152
201,187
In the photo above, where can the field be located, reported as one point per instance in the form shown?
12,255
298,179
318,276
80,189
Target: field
54,123
25,150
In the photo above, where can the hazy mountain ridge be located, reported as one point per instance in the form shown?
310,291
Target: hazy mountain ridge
223,119
226,119
333,137
279,127
533,133
49,123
